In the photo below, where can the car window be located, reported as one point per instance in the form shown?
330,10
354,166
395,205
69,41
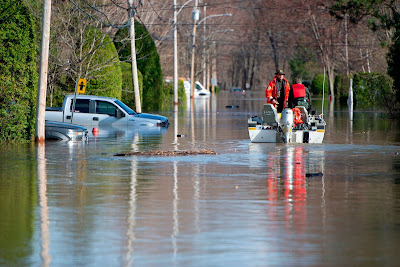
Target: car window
103,107
81,105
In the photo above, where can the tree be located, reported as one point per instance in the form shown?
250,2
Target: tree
324,33
81,47
148,62
18,73
382,15
104,75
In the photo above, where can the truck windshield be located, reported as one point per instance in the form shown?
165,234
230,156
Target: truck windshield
125,107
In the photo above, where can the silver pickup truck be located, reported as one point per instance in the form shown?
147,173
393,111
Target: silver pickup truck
94,111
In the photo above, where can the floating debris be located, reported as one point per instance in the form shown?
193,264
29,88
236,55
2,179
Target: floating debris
317,174
180,135
232,106
167,153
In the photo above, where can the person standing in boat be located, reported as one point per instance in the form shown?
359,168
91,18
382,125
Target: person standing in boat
299,95
277,92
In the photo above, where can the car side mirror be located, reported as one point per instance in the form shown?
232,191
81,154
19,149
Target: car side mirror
119,114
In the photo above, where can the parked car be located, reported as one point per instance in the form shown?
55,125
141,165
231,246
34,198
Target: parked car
93,111
238,91
64,131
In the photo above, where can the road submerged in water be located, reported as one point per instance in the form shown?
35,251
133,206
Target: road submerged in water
76,203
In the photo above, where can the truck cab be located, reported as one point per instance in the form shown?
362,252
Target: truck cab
102,111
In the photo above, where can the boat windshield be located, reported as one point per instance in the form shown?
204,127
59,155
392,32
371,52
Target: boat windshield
125,107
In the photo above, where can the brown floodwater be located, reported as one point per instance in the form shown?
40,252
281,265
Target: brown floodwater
330,204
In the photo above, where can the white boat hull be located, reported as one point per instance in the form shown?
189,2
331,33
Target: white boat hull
260,135
260,131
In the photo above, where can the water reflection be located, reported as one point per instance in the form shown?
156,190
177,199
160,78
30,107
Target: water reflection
129,258
18,200
289,167
43,204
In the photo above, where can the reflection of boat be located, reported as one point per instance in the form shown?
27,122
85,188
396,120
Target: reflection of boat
287,127
199,90
64,131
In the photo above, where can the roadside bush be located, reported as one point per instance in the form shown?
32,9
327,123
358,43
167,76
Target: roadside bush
374,90
148,62
169,91
341,87
128,94
317,84
18,72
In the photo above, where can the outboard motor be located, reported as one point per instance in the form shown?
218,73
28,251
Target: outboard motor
287,122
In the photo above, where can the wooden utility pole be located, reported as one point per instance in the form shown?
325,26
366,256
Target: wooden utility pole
43,71
133,55
175,56
205,82
195,15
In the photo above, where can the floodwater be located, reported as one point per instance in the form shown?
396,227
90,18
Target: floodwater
330,204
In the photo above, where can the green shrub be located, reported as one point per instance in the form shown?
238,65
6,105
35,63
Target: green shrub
317,84
148,63
374,90
18,72
169,92
341,87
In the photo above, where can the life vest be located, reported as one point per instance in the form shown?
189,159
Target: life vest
297,116
299,90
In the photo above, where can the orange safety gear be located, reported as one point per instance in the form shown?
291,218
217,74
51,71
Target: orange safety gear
297,116
299,90
270,92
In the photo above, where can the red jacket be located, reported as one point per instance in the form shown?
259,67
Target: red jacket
299,90
270,92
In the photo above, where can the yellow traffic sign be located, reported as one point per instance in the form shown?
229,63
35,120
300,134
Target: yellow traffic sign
81,86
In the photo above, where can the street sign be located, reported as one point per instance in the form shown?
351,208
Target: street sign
81,86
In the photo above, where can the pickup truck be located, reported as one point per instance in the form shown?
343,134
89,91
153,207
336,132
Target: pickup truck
94,111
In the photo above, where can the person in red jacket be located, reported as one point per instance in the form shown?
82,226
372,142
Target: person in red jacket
277,92
299,95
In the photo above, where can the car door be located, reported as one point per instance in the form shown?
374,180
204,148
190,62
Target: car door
106,114
81,114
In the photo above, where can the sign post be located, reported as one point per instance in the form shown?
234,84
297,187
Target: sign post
80,87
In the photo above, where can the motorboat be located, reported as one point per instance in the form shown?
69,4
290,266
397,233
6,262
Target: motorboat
199,90
290,126
64,131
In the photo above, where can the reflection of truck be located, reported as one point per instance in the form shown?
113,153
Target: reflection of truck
93,111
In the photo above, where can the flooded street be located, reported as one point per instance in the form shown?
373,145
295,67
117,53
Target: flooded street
251,204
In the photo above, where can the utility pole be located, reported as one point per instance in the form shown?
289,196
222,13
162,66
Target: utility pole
133,54
175,56
205,82
346,44
43,71
195,15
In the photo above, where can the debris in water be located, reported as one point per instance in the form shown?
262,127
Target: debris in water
232,106
167,153
314,174
180,135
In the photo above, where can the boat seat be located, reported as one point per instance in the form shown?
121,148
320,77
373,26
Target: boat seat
269,115
304,114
